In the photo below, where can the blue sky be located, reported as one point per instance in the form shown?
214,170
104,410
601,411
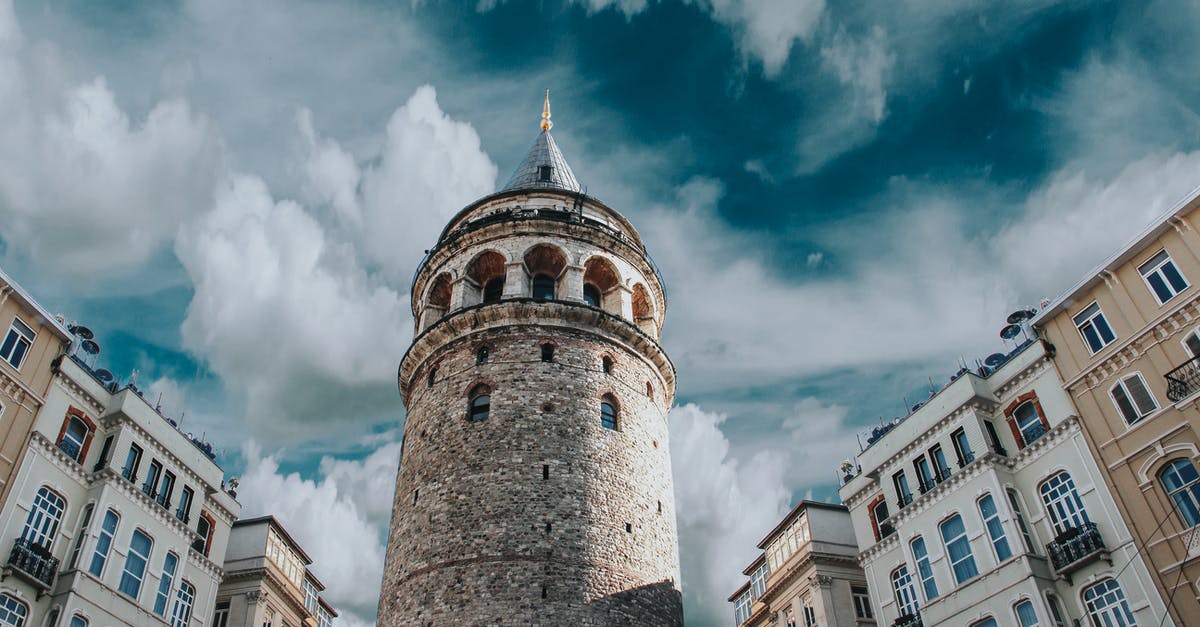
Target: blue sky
844,199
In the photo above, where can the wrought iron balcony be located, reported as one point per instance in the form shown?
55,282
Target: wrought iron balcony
967,458
940,475
908,620
1075,548
33,562
1184,380
906,499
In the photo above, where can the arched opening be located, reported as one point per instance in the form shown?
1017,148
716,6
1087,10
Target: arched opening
486,274
643,310
606,363
600,278
547,352
609,413
545,265
479,407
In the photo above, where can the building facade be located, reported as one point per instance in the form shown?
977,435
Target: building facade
116,517
535,481
32,339
807,575
1127,338
984,507
267,580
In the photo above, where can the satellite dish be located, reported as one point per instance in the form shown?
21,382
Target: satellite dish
1021,315
81,331
1011,331
995,359
103,375
90,347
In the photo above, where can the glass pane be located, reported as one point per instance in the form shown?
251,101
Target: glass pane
1102,327
1174,277
1141,396
1159,285
1125,405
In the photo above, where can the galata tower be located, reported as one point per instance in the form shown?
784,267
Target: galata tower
535,479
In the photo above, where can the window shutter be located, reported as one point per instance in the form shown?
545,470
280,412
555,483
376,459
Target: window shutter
1141,396
1124,404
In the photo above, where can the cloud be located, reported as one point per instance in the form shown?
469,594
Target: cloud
288,319
86,189
331,522
863,65
724,507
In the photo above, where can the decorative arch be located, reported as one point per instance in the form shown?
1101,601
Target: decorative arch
1149,468
486,272
610,411
643,310
439,292
545,264
1010,416
601,275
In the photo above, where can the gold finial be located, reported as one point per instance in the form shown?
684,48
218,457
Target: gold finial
546,123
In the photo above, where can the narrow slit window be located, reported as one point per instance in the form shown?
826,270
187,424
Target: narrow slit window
547,352
608,415
480,406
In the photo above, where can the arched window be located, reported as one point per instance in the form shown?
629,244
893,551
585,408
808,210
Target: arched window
52,618
41,525
181,613
140,546
906,595
1026,615
75,432
493,290
78,621
547,352
480,405
991,520
170,562
104,543
543,287
1029,422
12,611
591,295
924,569
1063,503
958,548
481,356
85,520
1106,604
608,414
607,364
1182,483
204,528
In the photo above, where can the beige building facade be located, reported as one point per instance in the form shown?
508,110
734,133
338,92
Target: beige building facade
1127,341
268,582
807,575
32,340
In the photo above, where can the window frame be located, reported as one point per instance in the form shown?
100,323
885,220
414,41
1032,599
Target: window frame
20,338
104,538
181,608
1016,608
924,565
166,581
133,462
127,575
612,418
12,607
1149,268
85,521
994,527
1097,613
903,492
1189,490
971,567
1068,497
542,286
900,577
1027,532
592,293
1090,320
42,522
962,447
1130,398
861,596
479,403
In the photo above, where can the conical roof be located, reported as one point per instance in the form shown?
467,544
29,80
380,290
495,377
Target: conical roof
543,168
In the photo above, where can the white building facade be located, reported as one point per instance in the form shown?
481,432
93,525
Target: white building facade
116,517
984,507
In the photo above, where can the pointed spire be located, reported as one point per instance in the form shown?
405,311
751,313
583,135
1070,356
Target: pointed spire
543,166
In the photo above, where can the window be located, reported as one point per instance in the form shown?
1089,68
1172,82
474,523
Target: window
906,596
85,520
741,608
481,404
105,451
432,377
1182,483
78,621
74,434
591,295
958,548
1063,503
1094,328
544,173
184,513
995,529
108,529
962,448
1106,605
16,343
204,528
1026,616
903,494
181,612
547,352
52,618
606,363
543,287
165,583
152,478
310,597
221,615
493,290
987,622
608,415
880,512
758,580
1133,398
1056,612
41,525
324,619
994,437
132,460
924,474
135,563
12,611
1163,277
862,602
165,488
1026,535
481,356
940,467
1029,422
810,614
924,569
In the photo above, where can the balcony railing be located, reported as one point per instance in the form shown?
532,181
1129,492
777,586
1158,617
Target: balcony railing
967,458
33,562
1075,548
1184,380
908,620
906,499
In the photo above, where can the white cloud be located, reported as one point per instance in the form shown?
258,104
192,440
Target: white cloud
724,507
332,523
287,317
814,259
86,189
864,65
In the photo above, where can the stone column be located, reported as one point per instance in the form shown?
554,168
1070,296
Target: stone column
516,280
827,608
571,284
462,294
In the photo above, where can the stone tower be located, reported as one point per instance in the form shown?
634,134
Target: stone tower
535,480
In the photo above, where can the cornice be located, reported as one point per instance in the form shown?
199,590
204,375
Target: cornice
76,391
1186,315
18,391
272,578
